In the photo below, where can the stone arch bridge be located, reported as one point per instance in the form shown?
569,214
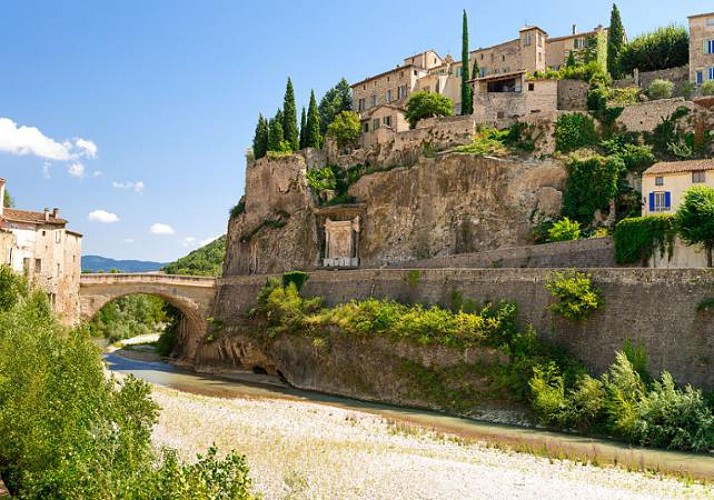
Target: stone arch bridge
192,295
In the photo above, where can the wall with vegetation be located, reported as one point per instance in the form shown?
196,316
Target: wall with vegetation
677,337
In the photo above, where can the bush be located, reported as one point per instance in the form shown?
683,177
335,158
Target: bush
708,88
426,105
665,47
345,129
627,95
637,238
486,141
298,278
660,89
576,297
564,230
574,131
592,183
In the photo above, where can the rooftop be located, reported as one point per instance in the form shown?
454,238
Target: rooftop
708,14
670,167
32,217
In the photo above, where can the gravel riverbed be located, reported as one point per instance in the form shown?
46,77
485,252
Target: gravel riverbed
304,450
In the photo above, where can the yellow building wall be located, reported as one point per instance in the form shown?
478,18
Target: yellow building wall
675,183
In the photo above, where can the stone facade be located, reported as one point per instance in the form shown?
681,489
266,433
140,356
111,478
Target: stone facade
573,95
701,48
39,245
645,116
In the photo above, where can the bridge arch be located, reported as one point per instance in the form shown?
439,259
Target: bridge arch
191,295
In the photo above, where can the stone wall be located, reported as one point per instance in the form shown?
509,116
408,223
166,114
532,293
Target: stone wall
679,76
573,95
595,252
645,116
656,307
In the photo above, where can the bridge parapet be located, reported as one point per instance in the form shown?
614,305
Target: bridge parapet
108,278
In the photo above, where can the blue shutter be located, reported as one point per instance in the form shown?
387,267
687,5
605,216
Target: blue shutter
711,73
652,207
700,77
667,200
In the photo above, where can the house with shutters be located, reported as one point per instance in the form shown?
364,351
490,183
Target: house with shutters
664,183
701,48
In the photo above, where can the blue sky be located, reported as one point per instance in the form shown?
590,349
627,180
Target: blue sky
169,92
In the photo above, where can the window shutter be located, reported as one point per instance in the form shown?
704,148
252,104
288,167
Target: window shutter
705,46
652,207
667,199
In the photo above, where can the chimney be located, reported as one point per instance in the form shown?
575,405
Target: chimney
2,196
47,214
575,29
55,213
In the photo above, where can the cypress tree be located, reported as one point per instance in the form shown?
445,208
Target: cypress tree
615,42
467,105
312,127
290,126
476,71
571,60
303,124
276,138
260,140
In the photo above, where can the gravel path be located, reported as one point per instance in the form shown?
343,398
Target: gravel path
302,450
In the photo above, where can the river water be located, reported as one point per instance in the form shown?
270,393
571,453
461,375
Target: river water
254,386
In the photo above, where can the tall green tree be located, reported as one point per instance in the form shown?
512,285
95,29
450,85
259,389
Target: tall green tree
260,140
467,105
312,127
475,72
276,137
303,124
335,101
290,126
571,62
615,42
695,218
665,47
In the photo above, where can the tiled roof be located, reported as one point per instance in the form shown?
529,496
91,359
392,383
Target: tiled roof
30,216
669,167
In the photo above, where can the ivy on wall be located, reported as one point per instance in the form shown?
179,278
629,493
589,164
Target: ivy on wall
637,238
592,183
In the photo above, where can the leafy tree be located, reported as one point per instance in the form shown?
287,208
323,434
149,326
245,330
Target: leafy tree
427,104
615,43
345,129
312,132
571,62
665,47
8,201
335,101
467,105
695,218
260,140
290,126
303,124
204,261
276,137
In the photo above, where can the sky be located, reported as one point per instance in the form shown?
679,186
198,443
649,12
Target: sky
133,117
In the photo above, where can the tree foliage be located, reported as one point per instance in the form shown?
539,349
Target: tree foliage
276,137
260,140
426,105
695,218
345,129
129,316
637,238
335,101
312,128
564,230
574,131
204,261
303,125
290,127
592,184
615,42
8,201
576,297
467,104
665,47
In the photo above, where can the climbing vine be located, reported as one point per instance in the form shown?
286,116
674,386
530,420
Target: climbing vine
592,183
637,238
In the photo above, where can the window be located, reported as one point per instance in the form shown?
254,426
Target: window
531,87
710,21
709,46
540,40
373,100
58,237
660,201
360,105
389,95
375,124
402,92
700,77
483,72
540,56
659,181
482,57
365,127
579,43
38,266
387,120
415,73
436,89
528,39
503,58
698,176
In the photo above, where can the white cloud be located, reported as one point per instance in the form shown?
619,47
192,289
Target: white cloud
23,140
160,228
103,216
188,241
85,148
137,186
76,170
97,173
46,170
205,242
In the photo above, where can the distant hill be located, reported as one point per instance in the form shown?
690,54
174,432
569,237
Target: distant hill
96,263
204,261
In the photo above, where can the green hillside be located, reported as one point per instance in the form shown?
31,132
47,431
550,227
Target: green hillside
204,261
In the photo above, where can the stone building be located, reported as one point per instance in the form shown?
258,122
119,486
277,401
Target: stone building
39,245
701,48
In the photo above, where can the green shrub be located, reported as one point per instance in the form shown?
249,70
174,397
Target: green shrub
637,238
627,95
660,89
12,287
564,230
423,104
321,179
486,141
708,88
665,47
574,131
298,278
577,298
592,184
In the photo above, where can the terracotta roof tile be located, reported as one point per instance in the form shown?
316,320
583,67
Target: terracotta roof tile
670,167
30,216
